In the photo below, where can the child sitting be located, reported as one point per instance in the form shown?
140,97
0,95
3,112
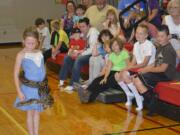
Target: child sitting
163,69
143,55
80,10
77,46
97,60
59,39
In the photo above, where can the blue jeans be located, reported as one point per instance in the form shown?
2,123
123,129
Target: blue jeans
76,70
66,67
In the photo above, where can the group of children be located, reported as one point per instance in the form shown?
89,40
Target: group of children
138,77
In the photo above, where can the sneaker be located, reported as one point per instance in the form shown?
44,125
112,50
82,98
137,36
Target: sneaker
61,83
69,89
129,100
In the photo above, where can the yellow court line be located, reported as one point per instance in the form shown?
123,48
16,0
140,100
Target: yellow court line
13,120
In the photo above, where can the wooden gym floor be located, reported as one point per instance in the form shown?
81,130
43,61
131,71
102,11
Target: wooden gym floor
68,116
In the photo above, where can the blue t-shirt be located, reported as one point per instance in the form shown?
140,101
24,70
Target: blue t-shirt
101,51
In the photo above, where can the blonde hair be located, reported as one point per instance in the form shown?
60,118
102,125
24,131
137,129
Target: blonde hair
113,12
175,2
55,24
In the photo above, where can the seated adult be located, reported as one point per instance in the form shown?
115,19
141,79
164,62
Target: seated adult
97,13
87,3
173,22
90,34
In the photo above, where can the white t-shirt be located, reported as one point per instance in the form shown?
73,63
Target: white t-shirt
91,38
173,28
140,51
45,32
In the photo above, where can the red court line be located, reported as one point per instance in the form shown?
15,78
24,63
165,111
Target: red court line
156,122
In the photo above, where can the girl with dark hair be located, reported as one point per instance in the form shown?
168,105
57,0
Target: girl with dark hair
99,55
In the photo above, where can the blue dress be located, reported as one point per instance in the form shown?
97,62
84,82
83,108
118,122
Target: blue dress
33,67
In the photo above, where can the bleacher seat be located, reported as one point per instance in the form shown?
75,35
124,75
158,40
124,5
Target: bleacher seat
112,96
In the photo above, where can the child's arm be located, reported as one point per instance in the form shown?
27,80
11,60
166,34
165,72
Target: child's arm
158,69
58,46
17,68
142,65
41,42
107,72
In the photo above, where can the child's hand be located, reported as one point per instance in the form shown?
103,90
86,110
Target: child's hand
21,96
103,81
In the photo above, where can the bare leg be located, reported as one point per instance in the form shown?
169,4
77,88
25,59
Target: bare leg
36,122
139,85
30,121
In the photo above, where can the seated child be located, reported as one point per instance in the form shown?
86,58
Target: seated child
59,39
163,69
77,46
97,60
80,10
44,34
44,38
143,55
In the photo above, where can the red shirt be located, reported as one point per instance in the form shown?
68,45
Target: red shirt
80,44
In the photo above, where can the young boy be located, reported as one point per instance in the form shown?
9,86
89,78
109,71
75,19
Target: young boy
163,69
80,10
43,33
44,38
76,44
59,39
143,55
76,47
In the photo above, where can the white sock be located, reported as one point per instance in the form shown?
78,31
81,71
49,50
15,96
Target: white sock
129,95
61,82
138,97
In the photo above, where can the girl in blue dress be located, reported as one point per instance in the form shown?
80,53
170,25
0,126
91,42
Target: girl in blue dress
32,90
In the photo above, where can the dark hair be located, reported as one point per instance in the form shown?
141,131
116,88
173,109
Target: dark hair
119,41
80,6
72,2
76,30
105,32
84,20
31,32
164,28
39,21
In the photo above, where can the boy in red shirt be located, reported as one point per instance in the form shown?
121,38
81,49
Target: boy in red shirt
76,44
